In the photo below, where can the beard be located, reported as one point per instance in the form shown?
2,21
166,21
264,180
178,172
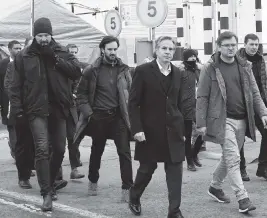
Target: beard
110,58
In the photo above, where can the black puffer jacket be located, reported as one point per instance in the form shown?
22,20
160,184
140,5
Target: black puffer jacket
28,89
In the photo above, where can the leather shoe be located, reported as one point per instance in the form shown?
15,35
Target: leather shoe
178,215
47,203
25,184
262,173
135,207
197,162
59,184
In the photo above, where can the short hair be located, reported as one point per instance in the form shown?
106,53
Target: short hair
162,38
226,35
12,43
71,46
107,40
251,36
29,38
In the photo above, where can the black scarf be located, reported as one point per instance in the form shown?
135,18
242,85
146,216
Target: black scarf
190,65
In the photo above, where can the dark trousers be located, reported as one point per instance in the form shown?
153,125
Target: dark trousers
24,151
263,149
74,153
191,152
12,138
173,172
48,130
105,125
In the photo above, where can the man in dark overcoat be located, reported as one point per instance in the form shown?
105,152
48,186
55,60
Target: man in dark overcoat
157,125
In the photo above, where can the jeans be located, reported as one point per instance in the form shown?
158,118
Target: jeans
24,151
48,130
74,153
105,126
230,160
174,173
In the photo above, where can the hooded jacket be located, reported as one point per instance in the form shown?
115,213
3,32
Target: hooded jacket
211,99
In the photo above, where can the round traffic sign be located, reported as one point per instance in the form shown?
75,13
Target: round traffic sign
152,13
113,24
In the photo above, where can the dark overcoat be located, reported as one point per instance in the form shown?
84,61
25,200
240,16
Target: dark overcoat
158,114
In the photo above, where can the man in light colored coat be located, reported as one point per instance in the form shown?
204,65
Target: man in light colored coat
226,100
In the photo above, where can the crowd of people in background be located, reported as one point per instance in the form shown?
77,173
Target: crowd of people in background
48,97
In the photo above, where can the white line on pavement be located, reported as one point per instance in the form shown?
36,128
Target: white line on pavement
26,207
62,207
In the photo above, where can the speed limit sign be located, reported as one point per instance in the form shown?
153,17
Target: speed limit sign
113,24
152,13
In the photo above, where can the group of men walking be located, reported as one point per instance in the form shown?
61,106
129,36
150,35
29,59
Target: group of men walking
156,107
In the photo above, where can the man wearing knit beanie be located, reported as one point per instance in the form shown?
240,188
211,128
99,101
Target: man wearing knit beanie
45,70
190,75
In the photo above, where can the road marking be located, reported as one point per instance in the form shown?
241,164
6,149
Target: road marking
26,207
62,207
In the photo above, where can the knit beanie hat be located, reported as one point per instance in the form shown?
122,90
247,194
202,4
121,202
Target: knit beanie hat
189,53
42,25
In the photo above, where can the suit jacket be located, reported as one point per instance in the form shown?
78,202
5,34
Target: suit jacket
157,113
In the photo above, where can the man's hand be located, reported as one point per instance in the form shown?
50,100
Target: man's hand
202,130
140,136
264,121
48,52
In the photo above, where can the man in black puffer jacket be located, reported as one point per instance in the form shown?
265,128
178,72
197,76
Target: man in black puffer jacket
40,92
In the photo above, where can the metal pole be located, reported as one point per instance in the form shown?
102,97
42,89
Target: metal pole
153,36
32,16
72,7
224,15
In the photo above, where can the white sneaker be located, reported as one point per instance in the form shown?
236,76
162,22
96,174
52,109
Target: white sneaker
125,195
92,189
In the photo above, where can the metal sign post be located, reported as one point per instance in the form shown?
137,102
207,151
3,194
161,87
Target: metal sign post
152,13
32,16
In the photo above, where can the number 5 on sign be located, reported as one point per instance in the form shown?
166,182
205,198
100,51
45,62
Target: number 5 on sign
152,13
113,24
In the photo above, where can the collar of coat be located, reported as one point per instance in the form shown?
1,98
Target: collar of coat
99,61
242,54
181,66
29,50
216,60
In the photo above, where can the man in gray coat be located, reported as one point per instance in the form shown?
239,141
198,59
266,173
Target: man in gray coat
226,99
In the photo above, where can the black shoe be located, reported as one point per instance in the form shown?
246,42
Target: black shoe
218,195
25,184
59,184
178,215
262,173
80,163
245,205
47,204
135,207
54,195
191,167
197,162
244,175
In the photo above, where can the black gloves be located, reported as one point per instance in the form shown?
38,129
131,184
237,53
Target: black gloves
48,52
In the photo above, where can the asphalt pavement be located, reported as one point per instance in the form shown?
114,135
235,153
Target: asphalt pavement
74,201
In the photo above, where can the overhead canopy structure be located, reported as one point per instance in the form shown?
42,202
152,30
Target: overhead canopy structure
67,27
